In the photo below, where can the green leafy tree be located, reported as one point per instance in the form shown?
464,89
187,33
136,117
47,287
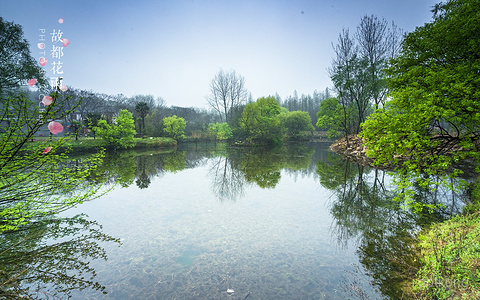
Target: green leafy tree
260,121
142,110
17,66
219,131
335,118
174,127
297,121
434,112
121,133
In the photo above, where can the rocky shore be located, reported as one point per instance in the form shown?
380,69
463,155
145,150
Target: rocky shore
354,150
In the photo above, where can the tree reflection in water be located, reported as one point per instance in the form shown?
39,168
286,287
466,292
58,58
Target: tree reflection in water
231,170
51,258
364,211
363,207
261,166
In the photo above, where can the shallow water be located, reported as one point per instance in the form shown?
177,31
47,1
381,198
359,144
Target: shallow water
185,237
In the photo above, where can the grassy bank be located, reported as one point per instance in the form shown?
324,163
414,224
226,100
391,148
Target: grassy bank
88,144
450,256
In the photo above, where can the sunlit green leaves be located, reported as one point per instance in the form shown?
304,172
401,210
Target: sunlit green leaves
174,127
34,184
260,121
120,134
430,121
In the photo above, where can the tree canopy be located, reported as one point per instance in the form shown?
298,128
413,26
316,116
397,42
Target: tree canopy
121,133
16,64
296,122
260,121
434,112
174,127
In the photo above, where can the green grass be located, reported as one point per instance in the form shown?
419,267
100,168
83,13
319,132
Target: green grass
450,256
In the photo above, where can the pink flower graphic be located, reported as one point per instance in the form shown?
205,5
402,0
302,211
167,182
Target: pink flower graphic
55,127
64,88
32,82
47,150
41,46
60,21
47,100
65,42
42,61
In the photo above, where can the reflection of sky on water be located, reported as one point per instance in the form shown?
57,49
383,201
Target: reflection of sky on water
180,241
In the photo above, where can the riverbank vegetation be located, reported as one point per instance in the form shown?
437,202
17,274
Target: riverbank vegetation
423,131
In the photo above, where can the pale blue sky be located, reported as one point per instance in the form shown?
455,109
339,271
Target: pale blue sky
172,49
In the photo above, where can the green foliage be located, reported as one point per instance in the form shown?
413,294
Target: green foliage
35,184
174,127
297,121
332,117
219,131
121,133
260,122
450,255
91,121
433,115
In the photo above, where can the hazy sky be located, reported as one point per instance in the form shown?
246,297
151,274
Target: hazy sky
172,49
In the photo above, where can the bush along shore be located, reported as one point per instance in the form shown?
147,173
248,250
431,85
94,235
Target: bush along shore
90,145
448,252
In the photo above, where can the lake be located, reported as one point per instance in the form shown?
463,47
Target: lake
209,221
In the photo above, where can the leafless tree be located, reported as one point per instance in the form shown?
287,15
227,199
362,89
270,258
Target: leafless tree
377,43
357,70
227,92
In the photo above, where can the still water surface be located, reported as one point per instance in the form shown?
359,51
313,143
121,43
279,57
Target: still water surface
260,224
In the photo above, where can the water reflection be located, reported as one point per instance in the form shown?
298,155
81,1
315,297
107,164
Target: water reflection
233,168
206,218
51,258
364,211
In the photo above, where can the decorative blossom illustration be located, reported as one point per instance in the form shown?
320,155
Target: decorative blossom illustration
47,150
41,46
55,127
42,61
60,21
47,100
64,88
65,42
32,82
